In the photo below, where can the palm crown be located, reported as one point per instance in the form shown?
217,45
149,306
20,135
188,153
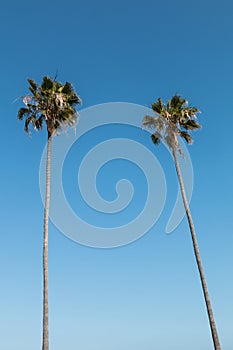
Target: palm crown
52,103
174,118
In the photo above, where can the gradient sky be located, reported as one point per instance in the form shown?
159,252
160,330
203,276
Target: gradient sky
145,295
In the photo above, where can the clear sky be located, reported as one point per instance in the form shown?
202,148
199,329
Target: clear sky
145,295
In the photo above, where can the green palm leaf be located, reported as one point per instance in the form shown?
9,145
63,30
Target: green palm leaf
190,125
22,113
32,120
187,137
169,119
33,86
47,84
52,103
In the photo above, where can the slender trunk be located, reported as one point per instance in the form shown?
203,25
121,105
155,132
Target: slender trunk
45,345
197,256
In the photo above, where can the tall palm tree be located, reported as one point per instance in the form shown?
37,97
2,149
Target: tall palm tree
171,121
54,104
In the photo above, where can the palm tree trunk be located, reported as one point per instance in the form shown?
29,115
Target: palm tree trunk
197,256
45,345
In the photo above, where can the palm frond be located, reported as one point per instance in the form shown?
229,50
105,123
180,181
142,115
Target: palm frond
29,120
22,113
177,102
51,102
33,86
67,88
190,125
193,110
158,106
149,122
74,99
172,117
187,137
39,122
156,138
47,84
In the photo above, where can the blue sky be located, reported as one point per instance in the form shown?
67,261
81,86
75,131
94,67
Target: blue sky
145,295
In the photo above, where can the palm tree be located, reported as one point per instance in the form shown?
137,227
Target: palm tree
172,120
54,104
